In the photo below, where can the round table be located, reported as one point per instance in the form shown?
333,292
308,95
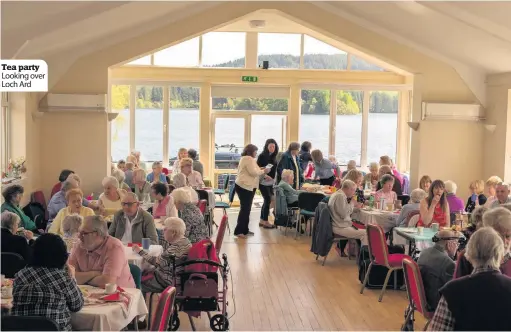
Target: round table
136,259
386,219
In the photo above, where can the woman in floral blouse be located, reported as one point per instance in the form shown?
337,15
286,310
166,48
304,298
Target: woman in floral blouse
196,229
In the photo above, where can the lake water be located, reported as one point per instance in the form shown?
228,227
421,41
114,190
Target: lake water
184,132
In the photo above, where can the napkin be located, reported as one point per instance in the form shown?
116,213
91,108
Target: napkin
131,244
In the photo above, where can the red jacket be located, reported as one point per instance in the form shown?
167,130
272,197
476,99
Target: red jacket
204,249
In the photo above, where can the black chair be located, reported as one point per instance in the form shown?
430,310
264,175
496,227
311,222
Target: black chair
404,199
11,264
28,323
307,202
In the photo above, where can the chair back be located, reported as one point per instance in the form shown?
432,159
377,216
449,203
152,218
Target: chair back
309,201
415,287
225,184
404,199
11,264
203,194
203,206
378,250
136,273
414,219
231,194
220,234
38,196
409,216
164,310
28,323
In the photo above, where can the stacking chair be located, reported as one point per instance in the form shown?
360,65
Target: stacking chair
206,210
164,310
221,191
136,273
416,294
307,202
379,255
11,264
224,206
28,323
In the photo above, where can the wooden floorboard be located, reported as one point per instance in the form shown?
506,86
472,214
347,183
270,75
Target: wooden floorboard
278,285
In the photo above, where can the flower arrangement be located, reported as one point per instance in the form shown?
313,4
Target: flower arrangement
16,167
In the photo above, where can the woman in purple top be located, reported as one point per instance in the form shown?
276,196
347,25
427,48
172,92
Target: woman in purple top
456,204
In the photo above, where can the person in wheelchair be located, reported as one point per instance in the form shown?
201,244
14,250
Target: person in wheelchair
159,277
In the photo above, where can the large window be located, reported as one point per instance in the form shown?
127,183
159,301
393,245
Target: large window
382,126
315,119
149,122
223,49
320,55
183,119
120,126
185,54
145,60
358,63
282,50
249,104
348,131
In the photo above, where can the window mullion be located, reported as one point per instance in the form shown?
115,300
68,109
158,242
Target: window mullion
166,110
302,50
133,98
365,124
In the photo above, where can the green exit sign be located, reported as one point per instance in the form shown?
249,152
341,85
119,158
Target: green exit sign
249,78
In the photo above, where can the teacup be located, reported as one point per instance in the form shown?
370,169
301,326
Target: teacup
110,288
420,230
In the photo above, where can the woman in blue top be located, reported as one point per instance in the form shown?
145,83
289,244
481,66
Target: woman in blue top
290,161
323,168
157,174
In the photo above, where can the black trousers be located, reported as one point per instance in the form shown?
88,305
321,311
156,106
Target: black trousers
246,197
267,192
327,182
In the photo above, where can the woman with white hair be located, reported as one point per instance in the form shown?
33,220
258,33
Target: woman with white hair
110,199
416,196
455,203
286,184
491,190
371,178
480,302
177,245
120,176
11,241
181,154
196,229
157,174
142,187
70,227
500,220
74,206
352,164
188,177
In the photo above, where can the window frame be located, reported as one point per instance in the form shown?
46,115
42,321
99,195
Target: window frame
6,131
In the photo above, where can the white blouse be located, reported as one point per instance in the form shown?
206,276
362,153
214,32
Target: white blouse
249,173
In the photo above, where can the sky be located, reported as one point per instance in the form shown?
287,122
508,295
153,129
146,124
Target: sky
220,47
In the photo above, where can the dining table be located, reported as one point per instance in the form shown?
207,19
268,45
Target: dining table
416,242
136,259
386,219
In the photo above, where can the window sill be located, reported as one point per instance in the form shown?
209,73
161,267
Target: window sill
19,181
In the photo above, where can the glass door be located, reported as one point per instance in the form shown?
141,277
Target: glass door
263,127
230,137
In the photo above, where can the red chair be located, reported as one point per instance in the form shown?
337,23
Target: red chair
203,206
164,310
415,291
56,188
379,255
220,234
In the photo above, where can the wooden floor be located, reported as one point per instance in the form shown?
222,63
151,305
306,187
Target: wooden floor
278,285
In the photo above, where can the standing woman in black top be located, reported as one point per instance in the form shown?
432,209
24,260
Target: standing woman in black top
268,156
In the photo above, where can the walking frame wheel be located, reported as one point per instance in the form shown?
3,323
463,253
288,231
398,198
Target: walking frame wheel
219,322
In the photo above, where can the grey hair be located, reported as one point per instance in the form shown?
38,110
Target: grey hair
450,187
286,173
503,184
110,180
176,224
386,178
69,184
499,219
181,195
418,195
374,165
72,223
98,224
348,184
485,249
10,220
157,163
75,177
476,218
119,175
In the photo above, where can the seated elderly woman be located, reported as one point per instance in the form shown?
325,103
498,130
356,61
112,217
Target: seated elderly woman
182,153
455,203
70,228
188,177
500,220
157,174
480,302
64,174
47,286
357,177
110,198
142,187
386,193
132,223
371,178
197,165
128,175
286,184
491,190
74,199
12,198
11,240
163,203
477,196
352,164
58,201
416,197
177,245
120,176
397,185
323,168
341,210
196,229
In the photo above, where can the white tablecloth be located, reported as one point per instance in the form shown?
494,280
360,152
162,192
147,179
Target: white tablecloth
136,259
109,316
385,219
